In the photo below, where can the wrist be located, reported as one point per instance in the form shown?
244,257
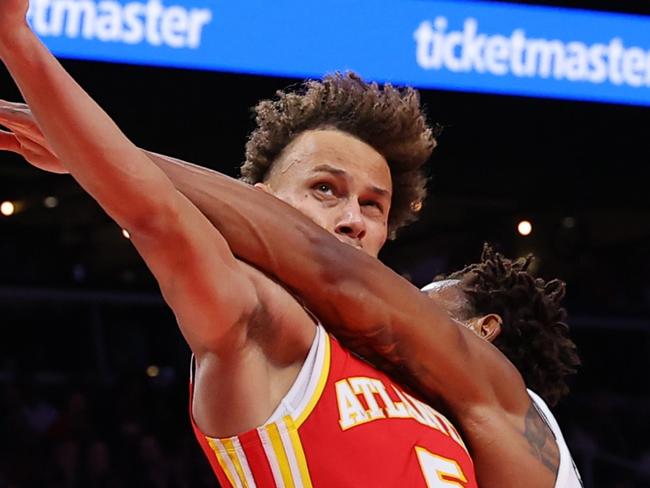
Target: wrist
13,36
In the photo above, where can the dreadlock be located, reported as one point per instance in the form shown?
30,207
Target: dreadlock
534,336
389,119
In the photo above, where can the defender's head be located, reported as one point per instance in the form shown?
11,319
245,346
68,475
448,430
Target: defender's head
348,154
521,315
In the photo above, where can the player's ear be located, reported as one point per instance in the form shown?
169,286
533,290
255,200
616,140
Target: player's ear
264,187
489,326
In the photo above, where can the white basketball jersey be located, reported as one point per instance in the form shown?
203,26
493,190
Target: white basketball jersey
567,473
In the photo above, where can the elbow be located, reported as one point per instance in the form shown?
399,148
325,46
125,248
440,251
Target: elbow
144,207
153,217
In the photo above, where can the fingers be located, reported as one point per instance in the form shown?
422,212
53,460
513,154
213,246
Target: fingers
24,129
18,105
11,119
35,154
8,142
17,114
19,119
27,135
12,141
29,146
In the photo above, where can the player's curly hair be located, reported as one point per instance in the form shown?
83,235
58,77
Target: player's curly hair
534,335
389,119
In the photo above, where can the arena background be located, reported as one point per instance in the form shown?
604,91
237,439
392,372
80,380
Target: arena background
93,371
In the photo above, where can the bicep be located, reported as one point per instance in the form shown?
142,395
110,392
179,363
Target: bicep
198,275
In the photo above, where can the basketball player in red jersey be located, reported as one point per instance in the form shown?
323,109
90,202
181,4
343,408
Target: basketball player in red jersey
276,402
310,261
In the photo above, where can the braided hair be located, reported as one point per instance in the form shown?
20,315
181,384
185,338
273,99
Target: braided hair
534,334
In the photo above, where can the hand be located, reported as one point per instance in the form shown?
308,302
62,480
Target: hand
26,137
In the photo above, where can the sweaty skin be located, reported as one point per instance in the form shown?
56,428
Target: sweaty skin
374,312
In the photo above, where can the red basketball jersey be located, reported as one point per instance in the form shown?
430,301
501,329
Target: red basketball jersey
354,427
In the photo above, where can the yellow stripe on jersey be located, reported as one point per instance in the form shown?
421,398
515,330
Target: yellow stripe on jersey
234,458
270,455
241,455
299,452
222,462
280,455
320,385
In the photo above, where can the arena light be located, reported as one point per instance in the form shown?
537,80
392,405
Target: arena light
7,208
524,227
51,202
153,371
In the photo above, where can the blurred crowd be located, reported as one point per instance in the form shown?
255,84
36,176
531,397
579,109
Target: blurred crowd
130,434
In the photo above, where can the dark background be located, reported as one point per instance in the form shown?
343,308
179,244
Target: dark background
82,321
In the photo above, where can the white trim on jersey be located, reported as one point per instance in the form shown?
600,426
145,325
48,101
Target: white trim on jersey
306,383
567,473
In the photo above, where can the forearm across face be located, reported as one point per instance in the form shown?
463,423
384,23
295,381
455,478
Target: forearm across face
373,310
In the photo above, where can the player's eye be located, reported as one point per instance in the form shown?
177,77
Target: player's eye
324,188
373,204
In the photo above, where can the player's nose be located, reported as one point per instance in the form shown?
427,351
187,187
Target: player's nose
351,223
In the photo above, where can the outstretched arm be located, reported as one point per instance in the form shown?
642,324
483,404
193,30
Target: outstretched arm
180,246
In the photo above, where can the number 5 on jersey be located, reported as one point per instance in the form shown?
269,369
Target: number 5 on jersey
440,472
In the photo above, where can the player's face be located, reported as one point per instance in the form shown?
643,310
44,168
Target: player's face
340,182
450,297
